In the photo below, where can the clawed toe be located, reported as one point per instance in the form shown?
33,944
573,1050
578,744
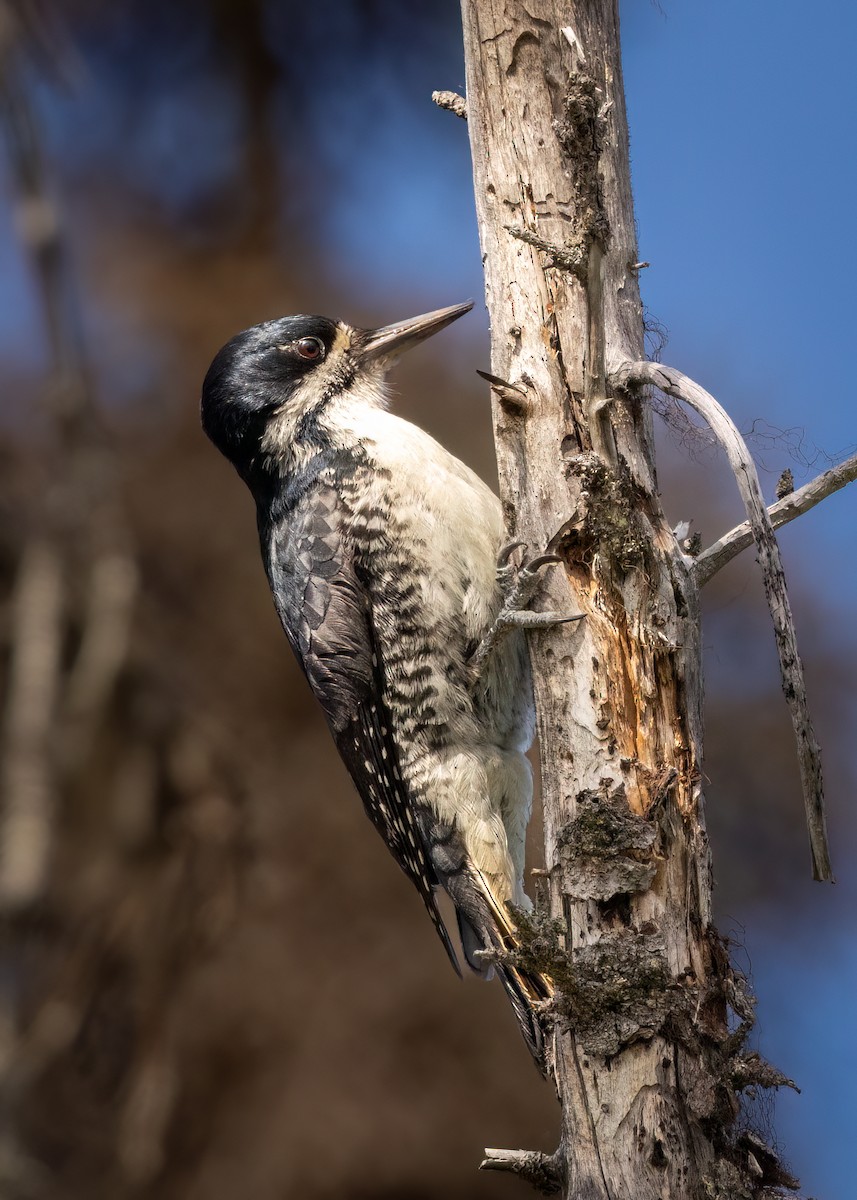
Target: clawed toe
524,618
519,586
536,564
526,581
507,552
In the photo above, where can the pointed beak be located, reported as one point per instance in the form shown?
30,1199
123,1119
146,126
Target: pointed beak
393,340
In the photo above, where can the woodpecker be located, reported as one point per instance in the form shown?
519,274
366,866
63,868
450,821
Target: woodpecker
386,560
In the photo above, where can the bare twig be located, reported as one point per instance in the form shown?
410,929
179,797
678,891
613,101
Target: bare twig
785,510
28,783
452,102
541,1171
145,1115
752,1071
36,215
85,483
511,396
675,384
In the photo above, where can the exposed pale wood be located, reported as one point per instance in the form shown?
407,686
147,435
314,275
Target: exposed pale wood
795,504
675,384
452,102
648,1106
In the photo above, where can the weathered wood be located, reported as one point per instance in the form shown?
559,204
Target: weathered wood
641,1048
677,385
452,102
541,1171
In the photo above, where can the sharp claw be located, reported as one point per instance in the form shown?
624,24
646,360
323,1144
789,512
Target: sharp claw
525,618
543,560
519,586
507,552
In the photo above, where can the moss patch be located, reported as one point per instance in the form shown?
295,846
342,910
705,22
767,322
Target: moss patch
580,131
607,850
610,523
611,993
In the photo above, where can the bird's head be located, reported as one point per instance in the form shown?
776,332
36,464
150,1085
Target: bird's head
284,373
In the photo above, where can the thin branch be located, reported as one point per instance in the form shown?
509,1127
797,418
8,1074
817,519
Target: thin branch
675,384
452,102
511,396
541,1171
795,504
85,470
39,225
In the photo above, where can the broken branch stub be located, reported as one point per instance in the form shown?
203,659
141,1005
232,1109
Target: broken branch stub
675,384
542,1171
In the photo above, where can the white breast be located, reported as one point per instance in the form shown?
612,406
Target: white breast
445,506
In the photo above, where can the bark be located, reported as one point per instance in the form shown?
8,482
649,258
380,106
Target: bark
649,1018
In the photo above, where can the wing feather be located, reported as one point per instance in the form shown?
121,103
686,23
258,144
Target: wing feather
326,612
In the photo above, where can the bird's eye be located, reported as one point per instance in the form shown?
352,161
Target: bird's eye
310,348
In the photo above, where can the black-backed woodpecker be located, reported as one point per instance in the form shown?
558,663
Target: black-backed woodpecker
385,556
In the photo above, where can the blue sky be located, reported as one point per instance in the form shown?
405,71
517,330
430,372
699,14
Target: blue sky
745,182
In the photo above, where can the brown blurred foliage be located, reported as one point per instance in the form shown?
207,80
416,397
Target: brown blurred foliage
218,983
215,983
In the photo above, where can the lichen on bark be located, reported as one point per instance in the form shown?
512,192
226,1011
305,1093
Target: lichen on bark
606,850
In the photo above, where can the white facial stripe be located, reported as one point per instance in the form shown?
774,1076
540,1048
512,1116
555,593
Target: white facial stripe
323,381
329,386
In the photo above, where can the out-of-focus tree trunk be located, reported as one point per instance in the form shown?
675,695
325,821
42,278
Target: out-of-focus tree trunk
650,1020
94,750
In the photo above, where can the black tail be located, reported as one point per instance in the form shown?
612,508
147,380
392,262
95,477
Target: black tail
523,990
488,935
489,940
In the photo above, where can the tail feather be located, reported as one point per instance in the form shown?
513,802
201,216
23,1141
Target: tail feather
473,945
485,926
520,988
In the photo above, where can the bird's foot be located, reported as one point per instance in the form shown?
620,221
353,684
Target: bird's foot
519,587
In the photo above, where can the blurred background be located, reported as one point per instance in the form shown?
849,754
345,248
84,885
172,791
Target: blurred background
215,982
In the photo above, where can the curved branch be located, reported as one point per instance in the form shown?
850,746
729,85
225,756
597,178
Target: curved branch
721,552
675,384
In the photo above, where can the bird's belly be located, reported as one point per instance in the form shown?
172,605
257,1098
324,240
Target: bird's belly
437,597
428,531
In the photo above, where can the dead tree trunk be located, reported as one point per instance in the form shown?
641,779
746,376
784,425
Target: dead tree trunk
649,1023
